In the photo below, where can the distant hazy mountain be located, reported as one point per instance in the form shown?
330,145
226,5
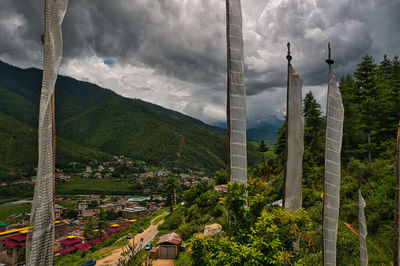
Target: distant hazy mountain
265,130
93,123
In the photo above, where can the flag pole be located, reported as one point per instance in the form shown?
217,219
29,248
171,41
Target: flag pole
289,59
330,62
396,245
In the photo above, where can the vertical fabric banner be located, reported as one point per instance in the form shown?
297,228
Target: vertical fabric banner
236,100
396,244
333,146
40,240
295,142
362,230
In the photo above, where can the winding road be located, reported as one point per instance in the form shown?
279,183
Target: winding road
148,235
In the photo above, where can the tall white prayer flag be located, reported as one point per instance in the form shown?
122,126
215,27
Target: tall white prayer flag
236,102
295,141
333,146
362,228
40,240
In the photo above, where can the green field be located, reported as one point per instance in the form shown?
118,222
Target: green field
6,211
107,186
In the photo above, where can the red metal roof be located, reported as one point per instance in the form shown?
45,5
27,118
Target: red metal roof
172,238
67,250
11,243
83,246
115,229
72,241
96,241
88,213
126,224
18,238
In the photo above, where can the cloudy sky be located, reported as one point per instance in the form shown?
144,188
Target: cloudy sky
173,52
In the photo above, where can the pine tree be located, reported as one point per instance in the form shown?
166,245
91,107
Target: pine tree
314,123
367,97
263,149
314,130
352,116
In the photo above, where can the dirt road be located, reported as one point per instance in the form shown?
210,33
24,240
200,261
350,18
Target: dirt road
147,235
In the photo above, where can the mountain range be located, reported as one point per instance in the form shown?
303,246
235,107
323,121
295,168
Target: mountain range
93,123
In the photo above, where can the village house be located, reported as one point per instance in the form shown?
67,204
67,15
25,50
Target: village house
98,175
70,241
134,213
82,206
84,216
12,245
212,229
61,229
88,169
168,247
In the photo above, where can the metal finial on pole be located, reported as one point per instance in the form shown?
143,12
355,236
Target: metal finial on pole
288,57
329,61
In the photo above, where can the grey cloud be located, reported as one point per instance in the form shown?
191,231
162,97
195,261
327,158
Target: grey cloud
185,40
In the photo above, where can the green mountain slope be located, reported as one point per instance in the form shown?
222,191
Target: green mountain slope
18,149
107,123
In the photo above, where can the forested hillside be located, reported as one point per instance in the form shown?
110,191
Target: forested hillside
260,233
93,124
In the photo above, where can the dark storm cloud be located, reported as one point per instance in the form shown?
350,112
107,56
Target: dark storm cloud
185,40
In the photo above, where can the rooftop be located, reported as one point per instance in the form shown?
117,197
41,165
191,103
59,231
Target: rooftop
67,250
18,238
13,243
72,241
83,246
172,238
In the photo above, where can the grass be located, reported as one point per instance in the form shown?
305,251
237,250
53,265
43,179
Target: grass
120,243
162,213
80,185
155,221
70,204
183,259
6,211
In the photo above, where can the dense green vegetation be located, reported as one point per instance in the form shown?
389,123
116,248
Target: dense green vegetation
262,234
107,186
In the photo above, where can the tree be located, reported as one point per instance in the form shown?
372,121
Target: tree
352,117
170,186
269,243
314,124
131,255
367,98
263,149
314,142
221,177
91,231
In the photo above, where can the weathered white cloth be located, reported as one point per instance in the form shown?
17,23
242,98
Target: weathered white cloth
236,94
40,240
362,230
333,146
295,142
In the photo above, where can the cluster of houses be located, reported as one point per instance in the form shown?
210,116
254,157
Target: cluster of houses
69,231
131,208
67,242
